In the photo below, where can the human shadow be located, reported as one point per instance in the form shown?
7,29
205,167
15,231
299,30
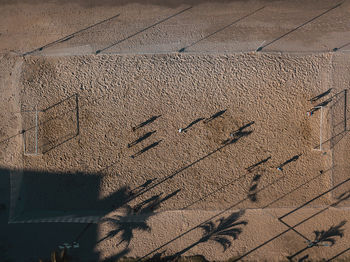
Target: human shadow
143,30
239,133
221,231
145,149
323,238
340,47
219,30
252,195
147,122
315,98
143,186
140,139
166,178
319,106
216,115
240,130
293,159
70,36
190,125
298,27
252,167
135,218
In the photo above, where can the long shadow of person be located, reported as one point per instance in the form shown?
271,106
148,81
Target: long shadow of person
140,139
148,121
315,98
216,115
143,150
190,125
293,159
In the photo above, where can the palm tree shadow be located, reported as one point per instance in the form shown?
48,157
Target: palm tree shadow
226,228
135,218
322,237
221,231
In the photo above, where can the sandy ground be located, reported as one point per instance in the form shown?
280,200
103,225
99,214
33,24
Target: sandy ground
157,194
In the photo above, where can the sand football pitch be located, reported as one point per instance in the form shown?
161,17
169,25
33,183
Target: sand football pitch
169,154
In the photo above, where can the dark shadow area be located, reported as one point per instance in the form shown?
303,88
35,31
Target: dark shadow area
47,196
147,122
216,115
293,159
70,36
315,98
143,30
323,238
298,27
143,150
73,199
141,138
219,30
340,47
190,125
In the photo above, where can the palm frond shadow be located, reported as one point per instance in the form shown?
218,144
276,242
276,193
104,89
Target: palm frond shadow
221,231
134,218
226,229
329,235
322,238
